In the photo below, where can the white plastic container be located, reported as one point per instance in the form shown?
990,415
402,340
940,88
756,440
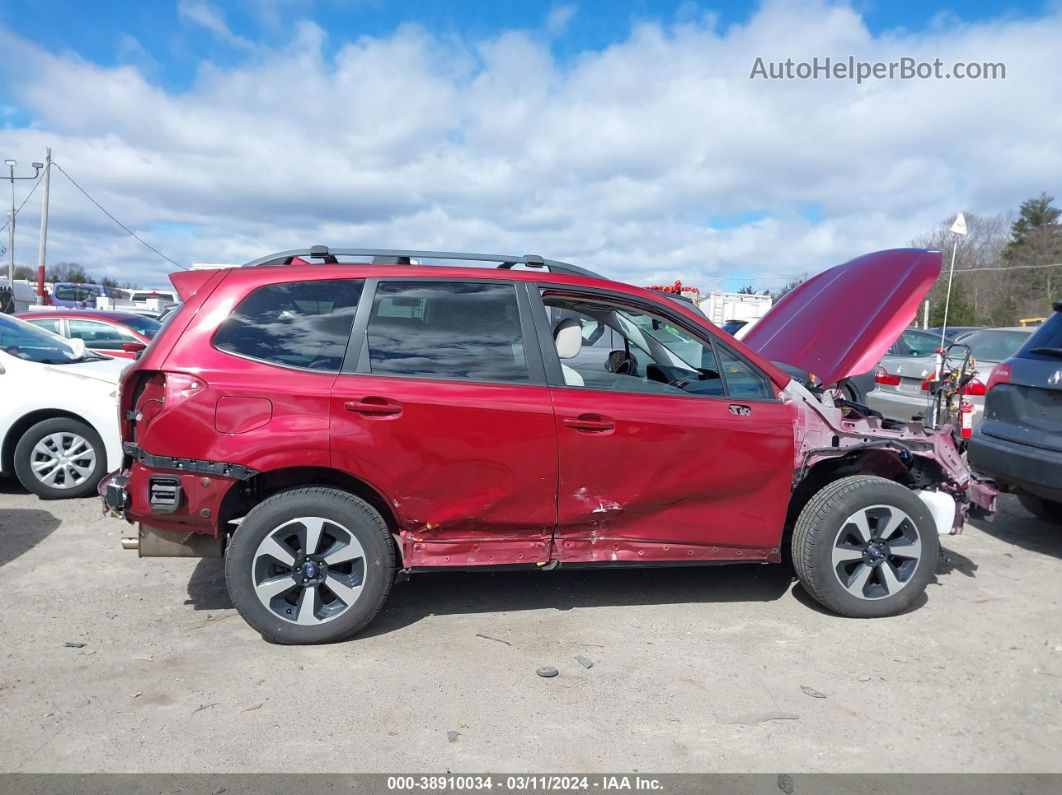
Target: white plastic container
942,506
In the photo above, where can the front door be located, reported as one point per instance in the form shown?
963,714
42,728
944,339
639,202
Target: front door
448,415
671,446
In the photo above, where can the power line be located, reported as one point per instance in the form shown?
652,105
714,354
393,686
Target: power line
1008,268
123,226
35,184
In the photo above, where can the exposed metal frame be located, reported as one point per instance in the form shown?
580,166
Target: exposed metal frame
389,256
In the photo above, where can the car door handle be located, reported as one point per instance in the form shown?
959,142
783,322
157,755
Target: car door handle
590,423
373,406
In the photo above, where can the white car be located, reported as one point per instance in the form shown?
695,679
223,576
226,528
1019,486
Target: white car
58,411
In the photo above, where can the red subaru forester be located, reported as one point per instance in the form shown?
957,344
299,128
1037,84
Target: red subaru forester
329,419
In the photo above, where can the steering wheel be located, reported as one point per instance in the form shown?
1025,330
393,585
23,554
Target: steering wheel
620,363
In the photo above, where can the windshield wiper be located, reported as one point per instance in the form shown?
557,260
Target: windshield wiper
1056,352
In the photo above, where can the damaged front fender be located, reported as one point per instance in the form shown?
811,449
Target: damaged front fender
919,457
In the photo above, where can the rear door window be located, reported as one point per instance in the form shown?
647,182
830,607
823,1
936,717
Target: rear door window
294,324
450,330
98,335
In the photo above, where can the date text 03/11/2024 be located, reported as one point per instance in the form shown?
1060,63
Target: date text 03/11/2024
524,783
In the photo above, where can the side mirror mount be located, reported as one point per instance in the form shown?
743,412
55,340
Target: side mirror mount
78,346
133,347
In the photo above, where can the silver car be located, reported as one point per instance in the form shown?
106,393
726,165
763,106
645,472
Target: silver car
899,379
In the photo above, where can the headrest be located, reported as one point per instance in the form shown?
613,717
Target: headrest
568,337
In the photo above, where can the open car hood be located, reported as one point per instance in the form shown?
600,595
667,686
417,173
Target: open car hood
841,322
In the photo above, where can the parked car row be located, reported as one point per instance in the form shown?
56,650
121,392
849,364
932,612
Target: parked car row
902,386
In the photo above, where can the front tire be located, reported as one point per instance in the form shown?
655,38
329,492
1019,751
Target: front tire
310,565
865,547
60,458
1048,510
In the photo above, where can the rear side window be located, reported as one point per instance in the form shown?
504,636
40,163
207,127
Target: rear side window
1046,341
452,330
295,324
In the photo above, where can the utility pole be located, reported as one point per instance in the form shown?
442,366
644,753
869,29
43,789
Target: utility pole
42,254
11,219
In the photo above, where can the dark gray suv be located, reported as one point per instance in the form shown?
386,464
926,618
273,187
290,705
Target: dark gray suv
1019,443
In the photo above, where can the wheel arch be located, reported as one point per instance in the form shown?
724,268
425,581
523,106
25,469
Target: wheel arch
27,421
883,462
243,495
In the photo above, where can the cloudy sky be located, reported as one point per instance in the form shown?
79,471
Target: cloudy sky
628,138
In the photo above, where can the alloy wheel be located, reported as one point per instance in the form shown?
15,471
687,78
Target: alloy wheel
309,570
63,460
876,552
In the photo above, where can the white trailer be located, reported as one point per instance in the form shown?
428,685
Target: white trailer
721,307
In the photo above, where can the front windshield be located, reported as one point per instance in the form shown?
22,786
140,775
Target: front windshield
26,341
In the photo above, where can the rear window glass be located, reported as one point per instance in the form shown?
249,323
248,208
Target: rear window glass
296,324
1047,338
994,345
916,343
453,330
147,326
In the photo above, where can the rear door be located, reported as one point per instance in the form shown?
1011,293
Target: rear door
673,448
443,407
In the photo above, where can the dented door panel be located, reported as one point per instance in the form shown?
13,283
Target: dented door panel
469,468
677,478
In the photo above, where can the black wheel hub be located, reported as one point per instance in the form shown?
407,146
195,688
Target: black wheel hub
875,553
309,570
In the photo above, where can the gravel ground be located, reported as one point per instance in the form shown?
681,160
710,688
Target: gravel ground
111,663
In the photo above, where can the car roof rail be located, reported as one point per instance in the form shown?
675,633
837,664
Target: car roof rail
387,256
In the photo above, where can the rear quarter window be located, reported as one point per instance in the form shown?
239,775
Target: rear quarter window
294,324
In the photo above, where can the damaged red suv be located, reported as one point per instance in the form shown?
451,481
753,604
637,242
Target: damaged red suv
331,419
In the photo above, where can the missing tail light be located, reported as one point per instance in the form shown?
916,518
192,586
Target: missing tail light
179,387
883,376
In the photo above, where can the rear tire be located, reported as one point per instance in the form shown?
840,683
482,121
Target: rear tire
865,547
60,458
310,565
1048,510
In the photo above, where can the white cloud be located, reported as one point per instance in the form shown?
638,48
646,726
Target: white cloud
201,13
656,158
559,17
